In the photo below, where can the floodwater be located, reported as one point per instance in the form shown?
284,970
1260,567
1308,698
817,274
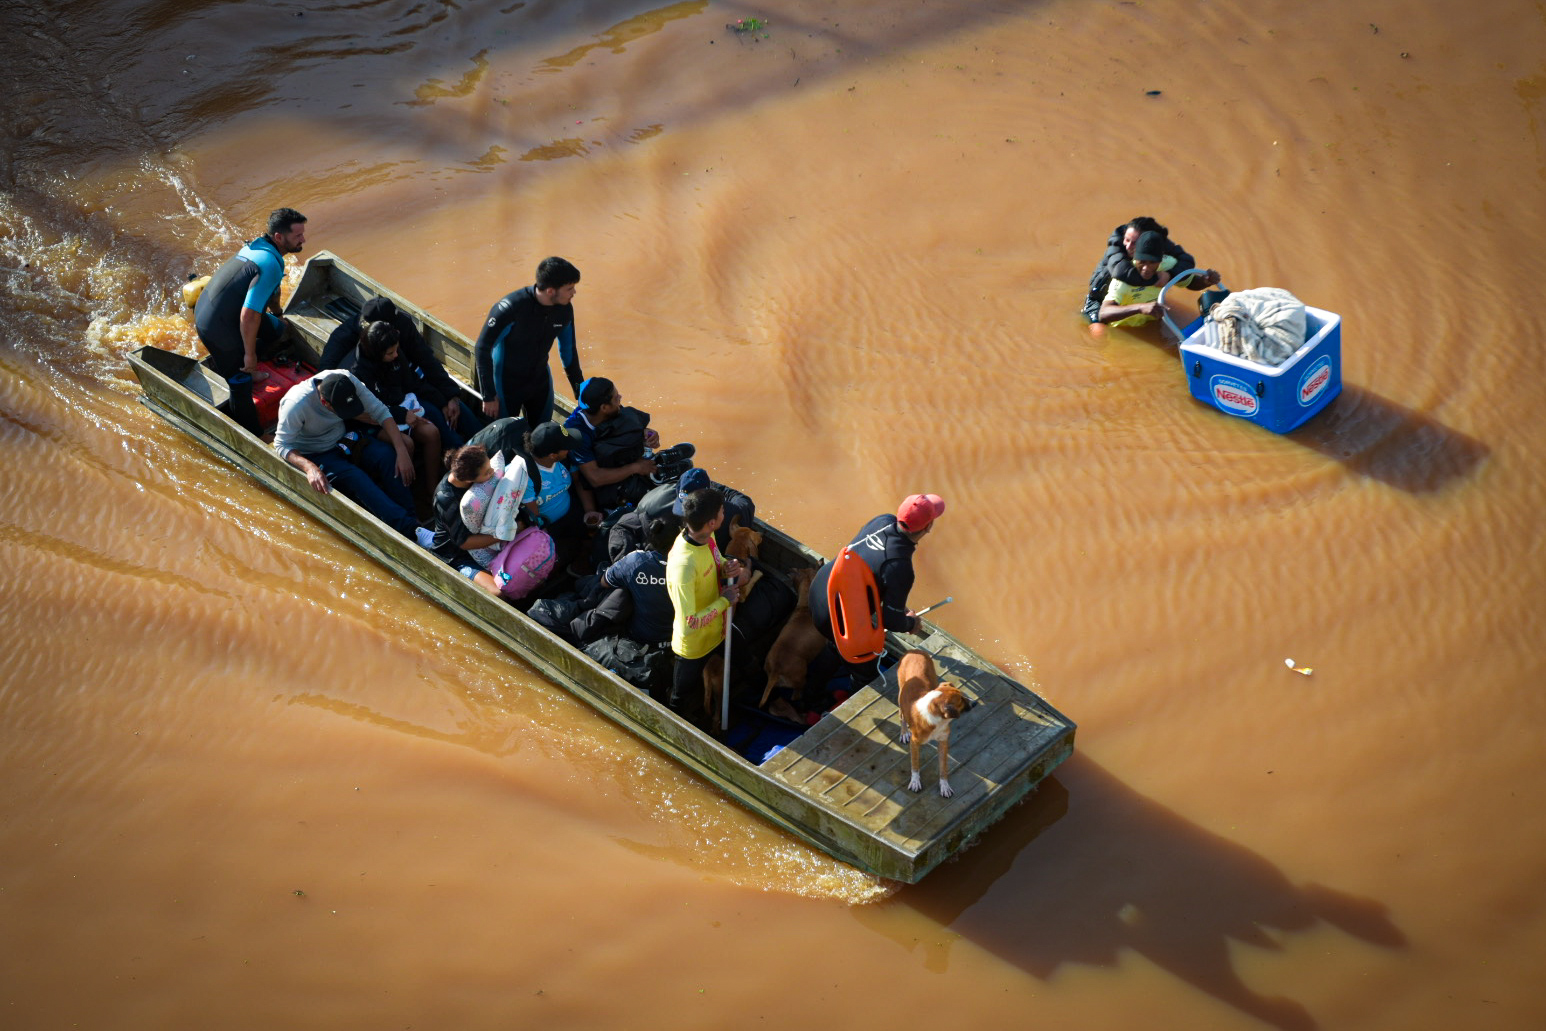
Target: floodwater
249,781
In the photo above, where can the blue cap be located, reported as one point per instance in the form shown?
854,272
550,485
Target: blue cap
692,479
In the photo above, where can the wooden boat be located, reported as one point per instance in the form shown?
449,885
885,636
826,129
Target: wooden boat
841,786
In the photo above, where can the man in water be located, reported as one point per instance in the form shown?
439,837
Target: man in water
230,317
1133,300
1117,262
513,347
885,544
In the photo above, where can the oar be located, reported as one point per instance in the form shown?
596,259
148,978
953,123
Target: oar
927,609
724,691
936,605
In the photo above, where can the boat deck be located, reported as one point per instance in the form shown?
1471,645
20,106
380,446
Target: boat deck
853,761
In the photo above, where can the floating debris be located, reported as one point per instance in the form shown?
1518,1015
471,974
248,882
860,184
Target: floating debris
1306,670
749,27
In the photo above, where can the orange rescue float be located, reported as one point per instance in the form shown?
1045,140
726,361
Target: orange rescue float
853,598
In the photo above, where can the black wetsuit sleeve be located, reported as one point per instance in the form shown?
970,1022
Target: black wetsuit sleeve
499,317
893,602
1184,261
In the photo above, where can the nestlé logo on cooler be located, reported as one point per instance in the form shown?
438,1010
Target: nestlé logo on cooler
1233,396
1314,381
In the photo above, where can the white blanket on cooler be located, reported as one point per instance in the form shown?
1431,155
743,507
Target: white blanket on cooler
1264,325
492,506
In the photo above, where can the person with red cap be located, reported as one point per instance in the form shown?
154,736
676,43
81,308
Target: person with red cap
885,544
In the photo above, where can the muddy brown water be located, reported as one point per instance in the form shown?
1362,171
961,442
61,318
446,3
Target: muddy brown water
249,781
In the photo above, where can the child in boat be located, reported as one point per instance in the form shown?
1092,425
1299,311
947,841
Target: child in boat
556,492
453,540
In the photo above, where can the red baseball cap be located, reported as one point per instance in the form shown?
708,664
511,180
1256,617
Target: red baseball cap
919,510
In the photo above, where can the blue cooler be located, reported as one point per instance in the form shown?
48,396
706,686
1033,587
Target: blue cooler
1278,397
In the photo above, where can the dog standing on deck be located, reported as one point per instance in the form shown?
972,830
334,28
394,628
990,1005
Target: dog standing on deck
927,708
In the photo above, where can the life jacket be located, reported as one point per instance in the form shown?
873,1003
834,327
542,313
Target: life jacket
853,600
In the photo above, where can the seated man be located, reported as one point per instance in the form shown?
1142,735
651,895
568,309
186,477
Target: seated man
438,391
1134,299
665,501
373,470
614,447
238,314
1117,262
642,574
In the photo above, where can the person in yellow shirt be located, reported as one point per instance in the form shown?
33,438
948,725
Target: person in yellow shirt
702,585
1134,300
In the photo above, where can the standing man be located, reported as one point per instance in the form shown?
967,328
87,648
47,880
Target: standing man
514,344
313,437
229,315
885,544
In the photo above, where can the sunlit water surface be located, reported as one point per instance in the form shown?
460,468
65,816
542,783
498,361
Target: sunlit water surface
250,781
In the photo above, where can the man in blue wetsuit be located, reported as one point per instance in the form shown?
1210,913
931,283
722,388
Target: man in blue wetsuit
514,344
229,315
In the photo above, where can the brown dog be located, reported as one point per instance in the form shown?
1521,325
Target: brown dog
797,645
927,709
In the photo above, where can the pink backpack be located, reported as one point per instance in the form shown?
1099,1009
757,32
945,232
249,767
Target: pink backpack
523,563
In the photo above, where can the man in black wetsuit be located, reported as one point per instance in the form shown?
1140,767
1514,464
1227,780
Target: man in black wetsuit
514,344
229,314
885,544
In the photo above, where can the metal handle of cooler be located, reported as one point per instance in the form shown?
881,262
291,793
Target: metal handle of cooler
1179,277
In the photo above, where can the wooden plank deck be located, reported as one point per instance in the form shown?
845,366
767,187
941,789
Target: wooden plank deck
853,761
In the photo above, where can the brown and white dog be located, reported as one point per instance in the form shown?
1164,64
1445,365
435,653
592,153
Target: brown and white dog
927,709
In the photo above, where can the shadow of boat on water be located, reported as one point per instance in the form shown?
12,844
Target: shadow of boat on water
1088,868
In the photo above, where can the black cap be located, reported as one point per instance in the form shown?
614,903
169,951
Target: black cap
549,439
378,309
1150,247
338,391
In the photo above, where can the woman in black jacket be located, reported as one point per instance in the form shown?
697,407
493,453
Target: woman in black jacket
379,364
